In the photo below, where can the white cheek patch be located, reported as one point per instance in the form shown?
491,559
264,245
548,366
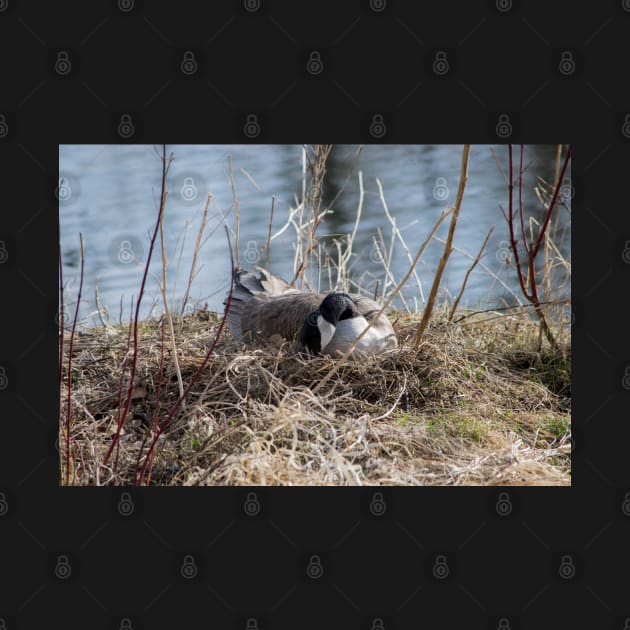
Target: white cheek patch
349,329
326,331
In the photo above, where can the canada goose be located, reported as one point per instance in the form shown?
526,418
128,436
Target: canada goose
264,305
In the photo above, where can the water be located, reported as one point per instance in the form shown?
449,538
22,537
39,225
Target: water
110,193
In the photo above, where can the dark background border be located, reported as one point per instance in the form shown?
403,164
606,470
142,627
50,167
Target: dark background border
558,77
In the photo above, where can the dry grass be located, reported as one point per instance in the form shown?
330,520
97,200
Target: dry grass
475,405
481,402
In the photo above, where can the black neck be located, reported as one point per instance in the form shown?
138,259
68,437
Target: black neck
310,336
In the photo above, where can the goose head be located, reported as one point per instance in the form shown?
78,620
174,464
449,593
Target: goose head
320,325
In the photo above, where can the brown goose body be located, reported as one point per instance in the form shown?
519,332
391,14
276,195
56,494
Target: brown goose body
264,305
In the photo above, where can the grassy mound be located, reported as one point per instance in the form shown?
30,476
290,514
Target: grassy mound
476,405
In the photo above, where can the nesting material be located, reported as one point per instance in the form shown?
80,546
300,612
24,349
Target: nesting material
476,405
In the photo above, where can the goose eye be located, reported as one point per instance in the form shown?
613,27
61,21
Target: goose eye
312,318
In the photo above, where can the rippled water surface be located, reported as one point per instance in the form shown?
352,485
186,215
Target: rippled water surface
110,193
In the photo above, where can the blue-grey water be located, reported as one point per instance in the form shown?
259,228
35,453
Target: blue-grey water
110,195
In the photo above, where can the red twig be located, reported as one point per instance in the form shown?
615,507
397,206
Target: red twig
171,415
531,293
123,367
70,349
552,203
158,406
61,316
132,374
520,202
510,220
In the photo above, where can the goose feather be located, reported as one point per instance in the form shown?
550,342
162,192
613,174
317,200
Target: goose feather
264,305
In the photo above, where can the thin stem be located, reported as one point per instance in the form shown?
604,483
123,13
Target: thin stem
426,315
158,406
520,202
389,300
268,245
398,234
202,228
510,220
474,264
237,214
171,415
165,167
61,316
552,203
123,367
167,312
70,351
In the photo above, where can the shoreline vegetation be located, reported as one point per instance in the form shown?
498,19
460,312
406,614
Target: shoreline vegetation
477,405
468,397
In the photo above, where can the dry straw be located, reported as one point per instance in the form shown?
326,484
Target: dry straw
467,398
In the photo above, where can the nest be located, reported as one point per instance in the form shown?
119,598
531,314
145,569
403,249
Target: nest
477,404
